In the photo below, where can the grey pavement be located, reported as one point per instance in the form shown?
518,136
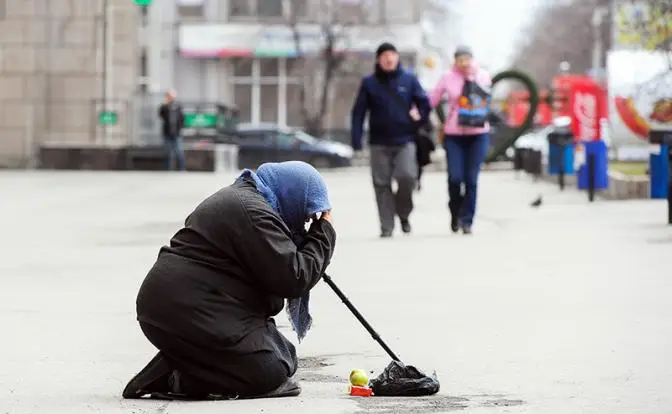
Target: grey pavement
561,309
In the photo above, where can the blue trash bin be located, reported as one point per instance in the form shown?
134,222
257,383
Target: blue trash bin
567,158
599,149
659,165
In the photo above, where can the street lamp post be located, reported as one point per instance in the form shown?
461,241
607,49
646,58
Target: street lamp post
106,62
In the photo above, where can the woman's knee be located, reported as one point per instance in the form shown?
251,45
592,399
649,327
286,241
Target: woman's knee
273,374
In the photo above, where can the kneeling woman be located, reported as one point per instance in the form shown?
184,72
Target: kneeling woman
207,303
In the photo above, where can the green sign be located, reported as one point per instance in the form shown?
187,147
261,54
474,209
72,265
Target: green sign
200,120
142,3
107,118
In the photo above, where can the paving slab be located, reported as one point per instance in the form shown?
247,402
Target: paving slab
560,309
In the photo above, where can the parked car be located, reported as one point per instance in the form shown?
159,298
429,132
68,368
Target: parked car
273,143
536,139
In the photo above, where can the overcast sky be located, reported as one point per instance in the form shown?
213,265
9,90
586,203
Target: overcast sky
492,28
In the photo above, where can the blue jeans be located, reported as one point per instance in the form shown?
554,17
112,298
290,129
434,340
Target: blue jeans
173,145
465,155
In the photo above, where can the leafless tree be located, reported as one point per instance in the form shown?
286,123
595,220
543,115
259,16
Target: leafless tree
560,32
323,61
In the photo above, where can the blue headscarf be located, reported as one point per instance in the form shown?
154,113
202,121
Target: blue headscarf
296,191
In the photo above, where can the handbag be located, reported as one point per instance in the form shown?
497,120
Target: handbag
424,145
473,106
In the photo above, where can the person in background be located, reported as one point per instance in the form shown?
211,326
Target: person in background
208,302
397,105
172,119
465,144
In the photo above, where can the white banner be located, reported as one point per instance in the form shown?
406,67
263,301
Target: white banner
189,3
221,40
640,95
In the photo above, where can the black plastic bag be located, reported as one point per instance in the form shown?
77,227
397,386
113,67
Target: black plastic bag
399,380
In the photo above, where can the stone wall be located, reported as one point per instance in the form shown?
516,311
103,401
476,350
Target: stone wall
51,66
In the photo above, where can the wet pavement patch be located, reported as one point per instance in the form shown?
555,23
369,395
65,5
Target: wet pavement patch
309,376
502,403
309,371
415,405
311,363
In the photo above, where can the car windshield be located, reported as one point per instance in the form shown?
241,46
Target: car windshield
302,136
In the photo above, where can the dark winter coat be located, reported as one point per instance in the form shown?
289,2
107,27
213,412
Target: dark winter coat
388,98
225,275
172,119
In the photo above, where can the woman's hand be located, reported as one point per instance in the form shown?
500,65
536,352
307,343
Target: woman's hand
326,215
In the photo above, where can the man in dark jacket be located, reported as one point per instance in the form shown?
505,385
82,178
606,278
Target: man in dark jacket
397,106
172,119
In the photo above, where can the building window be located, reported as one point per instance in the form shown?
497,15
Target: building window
270,8
191,8
242,95
269,68
269,103
268,90
294,105
265,9
399,11
242,8
242,67
357,12
259,87
143,78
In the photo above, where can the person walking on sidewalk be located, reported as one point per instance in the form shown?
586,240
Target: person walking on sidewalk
397,105
466,90
172,119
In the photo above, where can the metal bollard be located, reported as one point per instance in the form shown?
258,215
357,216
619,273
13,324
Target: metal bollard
669,186
591,177
561,166
518,159
538,164
663,138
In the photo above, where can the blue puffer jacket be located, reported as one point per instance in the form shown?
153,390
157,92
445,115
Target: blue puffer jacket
389,121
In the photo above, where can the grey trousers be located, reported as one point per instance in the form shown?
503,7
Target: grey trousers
400,164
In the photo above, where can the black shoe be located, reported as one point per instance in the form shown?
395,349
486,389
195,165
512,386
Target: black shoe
289,388
466,229
385,234
152,378
405,226
178,393
454,224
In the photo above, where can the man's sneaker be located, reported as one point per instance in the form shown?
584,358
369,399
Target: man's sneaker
405,226
385,234
466,229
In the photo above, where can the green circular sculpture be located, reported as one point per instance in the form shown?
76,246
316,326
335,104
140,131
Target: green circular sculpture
515,133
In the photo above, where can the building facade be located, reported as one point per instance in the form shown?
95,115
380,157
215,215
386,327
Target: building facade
54,73
80,72
243,51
